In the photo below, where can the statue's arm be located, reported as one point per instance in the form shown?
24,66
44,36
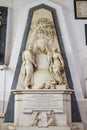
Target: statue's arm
32,60
61,60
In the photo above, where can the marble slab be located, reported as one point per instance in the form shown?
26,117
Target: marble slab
42,102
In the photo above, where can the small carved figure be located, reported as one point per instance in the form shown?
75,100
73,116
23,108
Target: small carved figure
35,118
28,59
51,119
48,85
56,65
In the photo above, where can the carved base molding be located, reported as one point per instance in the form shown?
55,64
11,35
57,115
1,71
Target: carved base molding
43,109
73,126
12,126
35,128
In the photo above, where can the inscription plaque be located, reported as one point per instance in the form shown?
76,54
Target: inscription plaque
42,102
80,9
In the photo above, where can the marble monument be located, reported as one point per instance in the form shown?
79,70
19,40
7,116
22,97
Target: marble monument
42,96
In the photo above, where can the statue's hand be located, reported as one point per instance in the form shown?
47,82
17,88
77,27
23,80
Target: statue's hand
62,67
36,66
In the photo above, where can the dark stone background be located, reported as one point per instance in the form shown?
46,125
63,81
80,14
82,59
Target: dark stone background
9,117
86,33
4,12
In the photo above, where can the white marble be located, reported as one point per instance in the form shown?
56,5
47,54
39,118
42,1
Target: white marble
35,102
28,101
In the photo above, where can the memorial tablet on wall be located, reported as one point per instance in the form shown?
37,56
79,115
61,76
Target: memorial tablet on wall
43,102
80,9
3,25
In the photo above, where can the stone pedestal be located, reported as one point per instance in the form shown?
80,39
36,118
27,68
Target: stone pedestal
42,109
